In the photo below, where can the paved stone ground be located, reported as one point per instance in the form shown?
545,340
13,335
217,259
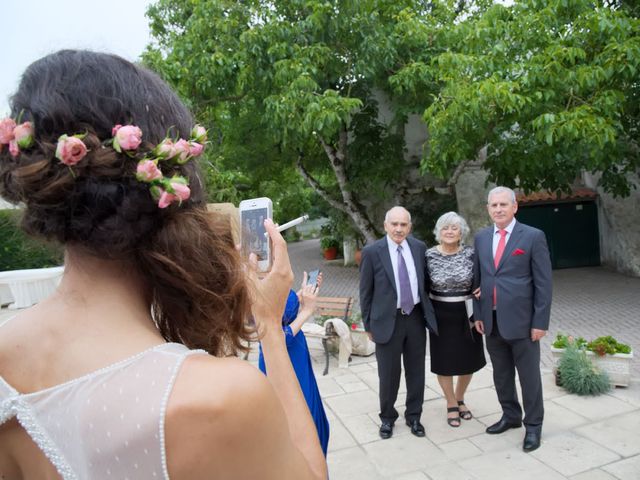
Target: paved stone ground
587,302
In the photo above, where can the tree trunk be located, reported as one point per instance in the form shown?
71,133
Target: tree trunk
349,205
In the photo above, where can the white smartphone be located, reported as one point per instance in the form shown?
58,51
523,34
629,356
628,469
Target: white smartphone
253,213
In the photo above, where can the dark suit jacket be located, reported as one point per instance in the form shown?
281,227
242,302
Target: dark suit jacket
378,296
522,279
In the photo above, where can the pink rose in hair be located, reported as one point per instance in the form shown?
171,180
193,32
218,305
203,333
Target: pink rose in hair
14,150
195,148
182,150
199,134
6,130
70,150
166,199
147,171
182,192
128,137
23,135
165,149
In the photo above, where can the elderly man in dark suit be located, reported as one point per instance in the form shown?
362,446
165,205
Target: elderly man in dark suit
513,270
394,311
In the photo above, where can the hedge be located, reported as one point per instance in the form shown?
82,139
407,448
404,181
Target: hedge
19,251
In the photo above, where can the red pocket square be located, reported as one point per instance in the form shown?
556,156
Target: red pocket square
517,251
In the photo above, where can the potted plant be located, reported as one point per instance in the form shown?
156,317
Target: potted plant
605,352
579,375
329,245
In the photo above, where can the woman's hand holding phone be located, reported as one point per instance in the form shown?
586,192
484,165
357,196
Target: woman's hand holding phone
270,292
308,293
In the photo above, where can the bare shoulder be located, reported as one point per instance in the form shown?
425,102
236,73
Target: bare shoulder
224,420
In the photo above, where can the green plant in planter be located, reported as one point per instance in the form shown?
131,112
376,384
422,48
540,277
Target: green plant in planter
607,345
563,341
328,242
579,375
600,346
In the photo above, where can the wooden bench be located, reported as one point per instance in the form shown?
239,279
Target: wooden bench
330,307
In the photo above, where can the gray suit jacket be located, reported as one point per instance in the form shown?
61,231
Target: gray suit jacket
378,296
522,280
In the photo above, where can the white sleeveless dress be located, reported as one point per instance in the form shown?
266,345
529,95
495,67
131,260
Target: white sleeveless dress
108,424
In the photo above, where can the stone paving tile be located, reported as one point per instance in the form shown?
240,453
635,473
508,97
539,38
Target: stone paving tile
351,464
339,437
625,469
606,406
570,453
448,471
596,474
363,428
559,419
508,464
413,476
459,449
620,434
507,442
351,404
403,454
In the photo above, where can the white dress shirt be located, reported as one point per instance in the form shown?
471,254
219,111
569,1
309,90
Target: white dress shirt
496,235
411,268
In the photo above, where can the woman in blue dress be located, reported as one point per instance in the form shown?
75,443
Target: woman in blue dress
300,307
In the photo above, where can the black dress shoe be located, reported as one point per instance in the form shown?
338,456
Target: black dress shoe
416,427
502,426
531,441
386,430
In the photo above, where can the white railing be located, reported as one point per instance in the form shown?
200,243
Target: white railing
23,288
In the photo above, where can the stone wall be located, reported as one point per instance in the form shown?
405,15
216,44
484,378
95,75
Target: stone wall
471,194
619,224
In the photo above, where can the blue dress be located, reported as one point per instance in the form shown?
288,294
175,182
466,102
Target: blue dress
301,361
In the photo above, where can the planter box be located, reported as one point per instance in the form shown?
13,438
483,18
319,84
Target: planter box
617,366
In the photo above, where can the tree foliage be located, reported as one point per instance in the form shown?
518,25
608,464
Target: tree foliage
322,90
550,87
295,84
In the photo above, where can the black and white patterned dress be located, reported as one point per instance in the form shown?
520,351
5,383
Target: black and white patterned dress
458,348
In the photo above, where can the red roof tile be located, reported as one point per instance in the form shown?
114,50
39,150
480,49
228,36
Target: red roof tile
577,194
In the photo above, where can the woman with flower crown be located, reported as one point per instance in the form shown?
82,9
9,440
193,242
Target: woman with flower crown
128,369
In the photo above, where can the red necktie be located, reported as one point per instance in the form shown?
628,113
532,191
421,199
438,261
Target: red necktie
499,251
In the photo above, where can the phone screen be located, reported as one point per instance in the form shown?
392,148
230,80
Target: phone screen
253,232
313,277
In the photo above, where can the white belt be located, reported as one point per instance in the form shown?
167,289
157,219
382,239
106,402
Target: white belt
467,299
460,298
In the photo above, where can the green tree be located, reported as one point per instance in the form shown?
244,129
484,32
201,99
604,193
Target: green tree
549,87
298,84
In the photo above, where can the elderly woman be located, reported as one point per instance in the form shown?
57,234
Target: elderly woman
457,350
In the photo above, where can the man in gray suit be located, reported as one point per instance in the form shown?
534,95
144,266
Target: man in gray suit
394,311
513,270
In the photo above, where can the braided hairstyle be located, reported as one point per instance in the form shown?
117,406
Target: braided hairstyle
185,254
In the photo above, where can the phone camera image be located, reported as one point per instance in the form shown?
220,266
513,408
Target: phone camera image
253,232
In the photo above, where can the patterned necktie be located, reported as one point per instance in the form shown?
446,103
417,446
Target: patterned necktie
406,297
499,251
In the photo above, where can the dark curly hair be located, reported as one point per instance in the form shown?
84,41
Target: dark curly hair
186,255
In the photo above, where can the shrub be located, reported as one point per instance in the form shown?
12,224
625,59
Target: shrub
579,375
19,251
